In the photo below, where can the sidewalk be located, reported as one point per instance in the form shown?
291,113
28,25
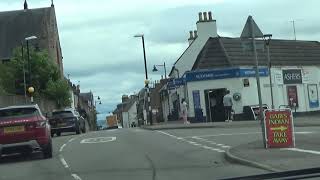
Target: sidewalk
277,160
300,121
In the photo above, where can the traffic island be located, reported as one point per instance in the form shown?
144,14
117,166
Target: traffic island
276,160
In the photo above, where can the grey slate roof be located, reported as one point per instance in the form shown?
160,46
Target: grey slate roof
228,52
19,24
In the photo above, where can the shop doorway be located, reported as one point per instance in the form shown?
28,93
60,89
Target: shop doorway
214,105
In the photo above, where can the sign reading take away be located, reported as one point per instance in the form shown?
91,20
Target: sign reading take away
279,128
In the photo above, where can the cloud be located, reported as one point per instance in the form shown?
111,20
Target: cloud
99,49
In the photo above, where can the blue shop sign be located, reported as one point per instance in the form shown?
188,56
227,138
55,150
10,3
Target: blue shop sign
224,74
174,83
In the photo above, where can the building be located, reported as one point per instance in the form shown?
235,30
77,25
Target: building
129,113
40,22
223,64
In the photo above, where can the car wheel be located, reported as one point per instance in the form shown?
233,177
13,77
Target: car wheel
78,130
47,150
58,133
84,130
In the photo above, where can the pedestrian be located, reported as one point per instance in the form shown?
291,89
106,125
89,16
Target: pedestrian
227,103
184,107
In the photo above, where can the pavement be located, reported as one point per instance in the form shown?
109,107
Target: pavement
306,154
299,121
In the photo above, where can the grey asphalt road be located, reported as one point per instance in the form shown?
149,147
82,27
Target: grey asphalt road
134,154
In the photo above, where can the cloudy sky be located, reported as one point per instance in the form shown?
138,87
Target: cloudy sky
99,49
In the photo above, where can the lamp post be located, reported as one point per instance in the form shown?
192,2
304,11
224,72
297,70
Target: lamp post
267,39
149,118
24,73
95,102
164,66
27,39
31,91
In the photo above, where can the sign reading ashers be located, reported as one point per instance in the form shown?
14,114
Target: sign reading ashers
292,76
279,128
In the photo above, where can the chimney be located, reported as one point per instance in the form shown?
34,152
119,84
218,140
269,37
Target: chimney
210,15
25,5
200,17
191,38
125,98
208,27
205,18
195,32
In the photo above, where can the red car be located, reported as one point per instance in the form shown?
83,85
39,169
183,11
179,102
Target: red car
23,129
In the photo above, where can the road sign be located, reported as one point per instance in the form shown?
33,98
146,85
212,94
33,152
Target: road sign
247,30
279,128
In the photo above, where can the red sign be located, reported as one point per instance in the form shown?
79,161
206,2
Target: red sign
292,96
279,128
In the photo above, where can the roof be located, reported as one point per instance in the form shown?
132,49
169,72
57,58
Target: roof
15,26
228,52
22,106
128,105
87,96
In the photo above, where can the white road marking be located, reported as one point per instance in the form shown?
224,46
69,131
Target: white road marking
211,142
97,140
63,161
176,137
304,132
302,150
235,134
70,140
76,177
61,148
192,142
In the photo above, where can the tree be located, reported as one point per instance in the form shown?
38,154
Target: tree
44,74
42,71
59,92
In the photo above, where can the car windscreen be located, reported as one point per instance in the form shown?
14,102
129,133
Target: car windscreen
62,114
18,112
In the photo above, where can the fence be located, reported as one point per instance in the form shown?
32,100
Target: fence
13,100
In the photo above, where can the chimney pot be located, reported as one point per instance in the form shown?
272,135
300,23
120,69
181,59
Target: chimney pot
200,17
195,34
191,35
205,16
210,15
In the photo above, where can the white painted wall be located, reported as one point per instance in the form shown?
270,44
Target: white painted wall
130,116
250,94
205,31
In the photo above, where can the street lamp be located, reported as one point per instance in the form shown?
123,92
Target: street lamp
28,54
95,102
31,91
267,39
149,118
164,66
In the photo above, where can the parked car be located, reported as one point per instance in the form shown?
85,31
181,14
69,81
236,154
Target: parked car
23,129
67,120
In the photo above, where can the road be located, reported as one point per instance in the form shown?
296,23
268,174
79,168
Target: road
137,154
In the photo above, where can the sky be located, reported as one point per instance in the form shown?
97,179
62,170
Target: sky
102,55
